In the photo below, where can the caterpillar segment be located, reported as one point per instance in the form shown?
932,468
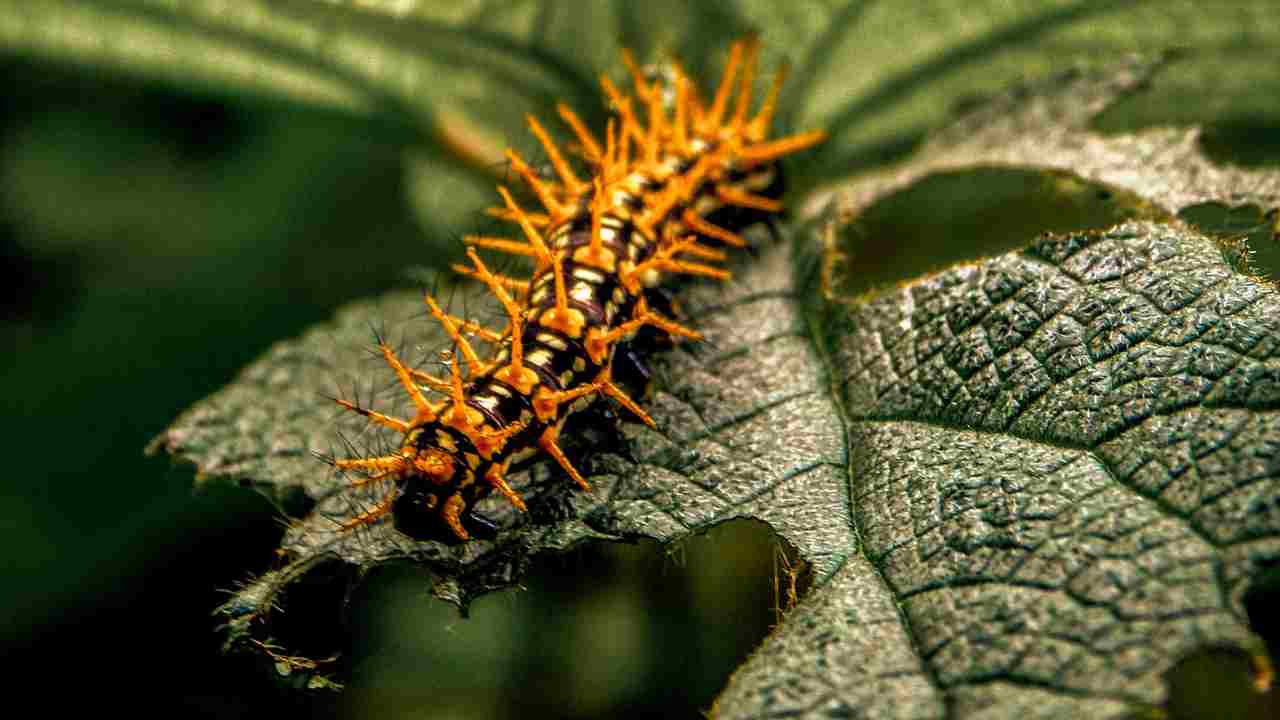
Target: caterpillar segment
669,187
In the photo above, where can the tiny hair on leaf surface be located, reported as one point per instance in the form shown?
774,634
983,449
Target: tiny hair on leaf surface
1032,483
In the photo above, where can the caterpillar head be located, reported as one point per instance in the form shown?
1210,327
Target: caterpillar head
418,512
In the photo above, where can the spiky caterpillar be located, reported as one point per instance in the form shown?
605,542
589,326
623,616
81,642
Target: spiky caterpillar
665,196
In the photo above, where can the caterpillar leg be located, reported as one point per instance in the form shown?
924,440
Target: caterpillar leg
496,476
549,441
370,516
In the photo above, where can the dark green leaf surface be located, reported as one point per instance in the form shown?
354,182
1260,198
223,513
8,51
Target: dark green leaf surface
904,69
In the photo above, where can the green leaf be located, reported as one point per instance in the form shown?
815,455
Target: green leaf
876,75
353,57
897,72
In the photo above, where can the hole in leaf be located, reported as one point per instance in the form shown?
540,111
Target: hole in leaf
963,215
1260,603
1246,141
606,630
1218,682
308,622
1258,229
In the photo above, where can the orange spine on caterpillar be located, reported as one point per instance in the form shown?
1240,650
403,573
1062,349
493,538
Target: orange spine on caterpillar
665,194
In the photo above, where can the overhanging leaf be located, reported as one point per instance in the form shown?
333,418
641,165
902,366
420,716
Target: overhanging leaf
905,69
351,57
877,75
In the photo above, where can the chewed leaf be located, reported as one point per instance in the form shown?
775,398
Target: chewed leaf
265,429
734,438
